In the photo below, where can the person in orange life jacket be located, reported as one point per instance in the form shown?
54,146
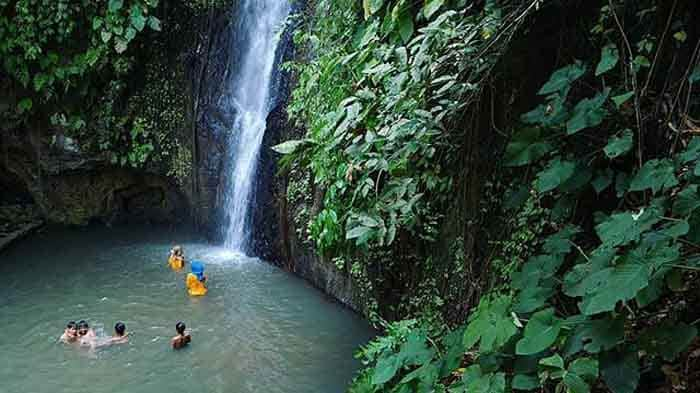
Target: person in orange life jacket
176,260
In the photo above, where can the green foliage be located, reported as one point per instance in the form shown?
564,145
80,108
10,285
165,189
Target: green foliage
581,308
53,48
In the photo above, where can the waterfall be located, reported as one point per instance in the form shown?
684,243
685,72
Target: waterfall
261,23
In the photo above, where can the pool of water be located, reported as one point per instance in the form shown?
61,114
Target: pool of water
258,330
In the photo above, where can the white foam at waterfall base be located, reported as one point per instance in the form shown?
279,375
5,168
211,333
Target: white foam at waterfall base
262,22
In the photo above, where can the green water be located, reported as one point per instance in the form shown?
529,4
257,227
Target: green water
258,330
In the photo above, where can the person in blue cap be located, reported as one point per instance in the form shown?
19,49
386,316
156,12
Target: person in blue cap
196,280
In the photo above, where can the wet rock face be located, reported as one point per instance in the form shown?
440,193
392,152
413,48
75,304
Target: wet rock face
67,187
209,66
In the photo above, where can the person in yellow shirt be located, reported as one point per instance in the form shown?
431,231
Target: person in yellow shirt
196,280
177,258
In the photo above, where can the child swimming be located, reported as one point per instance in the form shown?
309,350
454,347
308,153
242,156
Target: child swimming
182,339
70,333
176,260
120,337
120,334
196,280
85,334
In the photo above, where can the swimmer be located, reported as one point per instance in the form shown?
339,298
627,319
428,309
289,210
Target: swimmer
120,334
196,280
176,260
70,334
85,334
182,339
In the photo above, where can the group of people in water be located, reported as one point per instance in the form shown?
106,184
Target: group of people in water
82,334
196,280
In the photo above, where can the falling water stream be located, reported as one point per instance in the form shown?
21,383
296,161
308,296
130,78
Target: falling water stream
260,28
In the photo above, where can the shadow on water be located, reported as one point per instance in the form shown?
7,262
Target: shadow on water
258,330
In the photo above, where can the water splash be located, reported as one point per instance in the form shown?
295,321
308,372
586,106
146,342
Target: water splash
260,29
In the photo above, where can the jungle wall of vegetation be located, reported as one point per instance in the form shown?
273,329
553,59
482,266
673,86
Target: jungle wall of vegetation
512,186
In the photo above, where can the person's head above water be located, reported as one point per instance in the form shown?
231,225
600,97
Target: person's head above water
120,328
180,328
71,329
83,327
198,270
177,250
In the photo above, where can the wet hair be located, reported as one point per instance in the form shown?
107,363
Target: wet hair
120,328
71,325
180,327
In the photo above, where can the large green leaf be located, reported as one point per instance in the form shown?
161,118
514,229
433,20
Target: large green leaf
525,382
656,175
601,334
619,145
289,147
415,351
386,368
115,5
138,20
622,98
560,242
686,201
371,7
527,146
692,152
603,181
556,173
609,57
589,112
611,285
620,371
540,333
553,113
579,374
575,283
491,324
537,268
622,228
533,298
562,78
475,381
431,6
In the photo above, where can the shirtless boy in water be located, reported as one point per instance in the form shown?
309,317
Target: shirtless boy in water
85,334
182,339
70,334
